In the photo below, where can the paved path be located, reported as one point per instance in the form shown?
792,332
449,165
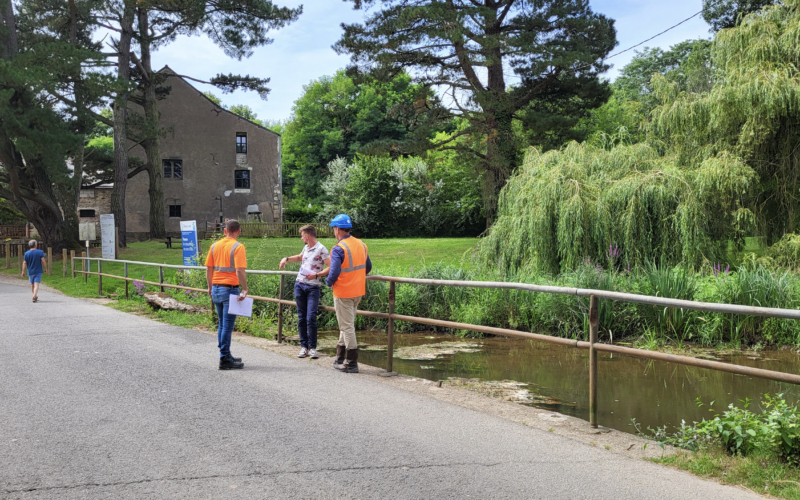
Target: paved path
96,403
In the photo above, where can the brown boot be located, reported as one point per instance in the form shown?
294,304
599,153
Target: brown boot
350,364
340,353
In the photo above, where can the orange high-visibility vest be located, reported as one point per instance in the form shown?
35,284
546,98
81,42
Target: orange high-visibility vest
352,281
224,258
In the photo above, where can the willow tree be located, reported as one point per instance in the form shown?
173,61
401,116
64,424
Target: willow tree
752,111
564,208
469,50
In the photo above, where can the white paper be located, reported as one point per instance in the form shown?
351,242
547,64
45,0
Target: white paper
240,307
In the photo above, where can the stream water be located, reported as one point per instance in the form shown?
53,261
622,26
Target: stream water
556,378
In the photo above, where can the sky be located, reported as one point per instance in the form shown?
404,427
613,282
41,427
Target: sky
302,51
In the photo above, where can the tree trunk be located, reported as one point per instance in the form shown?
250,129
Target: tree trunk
152,145
121,166
8,20
501,159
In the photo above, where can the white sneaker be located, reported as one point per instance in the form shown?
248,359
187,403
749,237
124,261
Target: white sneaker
313,353
303,353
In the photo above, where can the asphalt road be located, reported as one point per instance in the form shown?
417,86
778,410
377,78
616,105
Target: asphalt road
96,403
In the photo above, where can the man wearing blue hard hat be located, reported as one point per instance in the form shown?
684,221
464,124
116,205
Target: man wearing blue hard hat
347,277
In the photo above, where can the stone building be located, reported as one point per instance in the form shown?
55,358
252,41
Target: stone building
91,204
215,165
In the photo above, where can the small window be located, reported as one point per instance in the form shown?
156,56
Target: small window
86,213
241,142
174,210
241,179
173,169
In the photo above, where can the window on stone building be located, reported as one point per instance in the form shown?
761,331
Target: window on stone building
241,142
241,179
173,169
174,210
86,213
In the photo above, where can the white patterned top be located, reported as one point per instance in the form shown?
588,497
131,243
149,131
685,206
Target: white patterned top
313,263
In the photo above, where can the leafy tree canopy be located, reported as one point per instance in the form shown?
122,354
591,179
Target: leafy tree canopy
751,111
335,117
721,14
468,50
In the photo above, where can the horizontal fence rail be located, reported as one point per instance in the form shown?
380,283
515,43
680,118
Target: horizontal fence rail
273,229
592,345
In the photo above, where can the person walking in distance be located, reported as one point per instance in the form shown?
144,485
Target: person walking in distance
307,287
36,265
347,277
225,271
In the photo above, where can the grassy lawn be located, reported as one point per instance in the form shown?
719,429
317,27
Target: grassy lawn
389,256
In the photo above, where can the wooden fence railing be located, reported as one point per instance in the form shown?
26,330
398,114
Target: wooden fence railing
594,323
275,229
13,232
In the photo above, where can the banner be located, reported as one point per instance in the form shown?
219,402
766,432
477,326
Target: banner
108,236
191,255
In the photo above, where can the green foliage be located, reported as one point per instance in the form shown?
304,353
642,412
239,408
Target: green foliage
564,207
749,112
245,112
403,197
555,49
721,14
739,431
337,118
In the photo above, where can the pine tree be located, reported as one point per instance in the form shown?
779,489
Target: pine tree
468,48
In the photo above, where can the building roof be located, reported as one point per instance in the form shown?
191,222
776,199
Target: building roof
167,69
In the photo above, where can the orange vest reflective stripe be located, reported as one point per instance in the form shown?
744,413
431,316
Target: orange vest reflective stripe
352,281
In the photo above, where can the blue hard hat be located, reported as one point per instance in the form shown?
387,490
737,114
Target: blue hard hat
342,221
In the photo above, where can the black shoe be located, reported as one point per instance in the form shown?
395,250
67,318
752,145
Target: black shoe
236,359
230,363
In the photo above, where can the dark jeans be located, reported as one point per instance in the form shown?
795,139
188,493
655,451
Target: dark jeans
221,296
307,299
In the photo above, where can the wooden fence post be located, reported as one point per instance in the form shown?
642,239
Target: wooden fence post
49,261
99,278
594,322
126,281
72,262
8,255
161,277
20,255
63,262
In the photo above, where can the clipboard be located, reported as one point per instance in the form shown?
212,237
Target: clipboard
240,308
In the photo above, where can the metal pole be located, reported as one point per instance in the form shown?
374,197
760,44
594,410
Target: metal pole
280,311
63,262
594,322
126,281
83,268
72,262
390,330
99,278
161,277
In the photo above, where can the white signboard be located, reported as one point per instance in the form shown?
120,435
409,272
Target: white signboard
107,235
87,231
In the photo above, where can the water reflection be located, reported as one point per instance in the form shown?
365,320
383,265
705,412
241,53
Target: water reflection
656,393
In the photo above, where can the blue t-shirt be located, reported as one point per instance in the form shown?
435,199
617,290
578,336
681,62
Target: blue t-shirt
33,259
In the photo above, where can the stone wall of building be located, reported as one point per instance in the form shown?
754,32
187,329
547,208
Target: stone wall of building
97,200
203,137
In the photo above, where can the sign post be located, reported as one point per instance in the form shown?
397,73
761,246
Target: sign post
191,254
108,236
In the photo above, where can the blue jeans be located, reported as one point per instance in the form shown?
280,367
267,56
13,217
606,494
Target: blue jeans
221,296
307,299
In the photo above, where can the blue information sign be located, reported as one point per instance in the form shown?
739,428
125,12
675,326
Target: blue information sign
191,255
